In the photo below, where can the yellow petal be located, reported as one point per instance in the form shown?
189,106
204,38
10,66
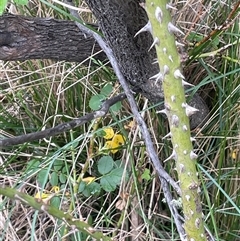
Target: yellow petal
108,145
112,146
118,139
89,180
109,133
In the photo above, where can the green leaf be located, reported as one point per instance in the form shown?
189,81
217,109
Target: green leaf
111,180
106,90
96,102
54,179
105,164
42,176
146,174
101,133
116,175
65,169
82,186
118,163
107,184
55,202
3,4
21,2
116,107
58,165
33,165
91,189
62,178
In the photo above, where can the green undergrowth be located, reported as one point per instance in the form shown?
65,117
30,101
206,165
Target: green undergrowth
117,193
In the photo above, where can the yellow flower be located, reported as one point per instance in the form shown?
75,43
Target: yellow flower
112,146
109,133
115,143
118,139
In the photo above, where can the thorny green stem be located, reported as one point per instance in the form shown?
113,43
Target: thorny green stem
66,217
178,112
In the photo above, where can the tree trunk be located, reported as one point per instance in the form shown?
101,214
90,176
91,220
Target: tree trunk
23,38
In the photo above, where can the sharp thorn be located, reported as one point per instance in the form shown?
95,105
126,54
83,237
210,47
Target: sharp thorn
193,155
174,29
155,42
146,28
168,6
168,135
173,156
158,77
161,111
184,83
189,109
177,74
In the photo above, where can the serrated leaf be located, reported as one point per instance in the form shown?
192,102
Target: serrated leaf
118,163
92,189
116,175
105,164
96,102
107,184
106,90
65,169
112,179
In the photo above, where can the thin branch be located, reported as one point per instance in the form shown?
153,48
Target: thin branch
64,126
163,175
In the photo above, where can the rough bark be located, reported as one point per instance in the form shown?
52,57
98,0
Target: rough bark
24,38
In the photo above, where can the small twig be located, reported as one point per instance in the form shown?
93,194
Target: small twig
64,126
163,175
